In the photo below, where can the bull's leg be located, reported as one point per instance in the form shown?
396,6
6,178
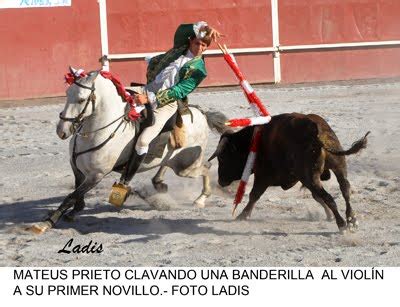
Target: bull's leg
328,212
344,184
318,191
258,189
158,179
67,203
200,202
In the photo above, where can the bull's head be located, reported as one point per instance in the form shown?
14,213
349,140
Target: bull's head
232,152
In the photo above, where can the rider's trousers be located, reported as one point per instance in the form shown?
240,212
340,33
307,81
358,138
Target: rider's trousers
161,116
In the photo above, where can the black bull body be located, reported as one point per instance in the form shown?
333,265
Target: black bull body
293,147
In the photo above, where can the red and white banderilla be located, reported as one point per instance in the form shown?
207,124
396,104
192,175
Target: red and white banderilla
263,117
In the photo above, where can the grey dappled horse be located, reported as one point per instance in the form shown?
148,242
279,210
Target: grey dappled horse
94,115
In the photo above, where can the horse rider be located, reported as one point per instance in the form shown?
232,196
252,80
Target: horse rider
170,78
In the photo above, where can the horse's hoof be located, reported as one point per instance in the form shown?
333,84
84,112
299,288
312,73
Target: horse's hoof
50,213
161,187
69,217
40,228
200,202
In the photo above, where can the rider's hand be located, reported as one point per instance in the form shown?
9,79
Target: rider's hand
213,33
141,99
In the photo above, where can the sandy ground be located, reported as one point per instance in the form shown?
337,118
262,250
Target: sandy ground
286,229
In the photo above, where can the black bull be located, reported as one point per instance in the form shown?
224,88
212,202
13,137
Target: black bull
293,147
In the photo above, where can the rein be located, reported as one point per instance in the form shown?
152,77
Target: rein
86,134
76,154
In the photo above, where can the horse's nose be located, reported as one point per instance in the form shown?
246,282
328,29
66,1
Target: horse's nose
61,134
62,130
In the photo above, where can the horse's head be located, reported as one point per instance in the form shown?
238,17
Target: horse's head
80,103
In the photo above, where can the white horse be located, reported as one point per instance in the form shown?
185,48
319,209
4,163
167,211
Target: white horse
103,140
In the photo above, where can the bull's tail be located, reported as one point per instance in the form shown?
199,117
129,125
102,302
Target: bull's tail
355,147
215,119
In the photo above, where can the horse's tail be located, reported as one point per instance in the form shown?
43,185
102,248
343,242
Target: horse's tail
215,119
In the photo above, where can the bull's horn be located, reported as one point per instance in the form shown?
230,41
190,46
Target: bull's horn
221,145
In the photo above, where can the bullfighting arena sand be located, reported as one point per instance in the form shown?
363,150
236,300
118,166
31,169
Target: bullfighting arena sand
286,228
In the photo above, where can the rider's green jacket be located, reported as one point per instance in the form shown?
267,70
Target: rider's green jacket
190,75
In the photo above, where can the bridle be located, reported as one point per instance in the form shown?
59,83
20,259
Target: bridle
77,121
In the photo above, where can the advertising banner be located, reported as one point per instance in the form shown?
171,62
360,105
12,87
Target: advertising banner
5,4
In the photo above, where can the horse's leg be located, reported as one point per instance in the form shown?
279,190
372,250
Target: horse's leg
80,201
188,163
200,202
158,179
89,182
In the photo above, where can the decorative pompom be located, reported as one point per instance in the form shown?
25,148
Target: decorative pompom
70,77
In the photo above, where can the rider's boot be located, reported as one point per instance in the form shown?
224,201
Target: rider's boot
120,191
133,165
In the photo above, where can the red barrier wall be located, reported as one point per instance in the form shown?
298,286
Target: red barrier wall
149,26
339,21
38,44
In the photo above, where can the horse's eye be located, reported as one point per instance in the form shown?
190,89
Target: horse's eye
82,100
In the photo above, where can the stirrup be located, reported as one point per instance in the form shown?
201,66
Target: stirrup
119,193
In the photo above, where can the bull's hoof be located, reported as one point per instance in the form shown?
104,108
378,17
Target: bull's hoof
40,228
343,230
243,216
160,187
352,224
